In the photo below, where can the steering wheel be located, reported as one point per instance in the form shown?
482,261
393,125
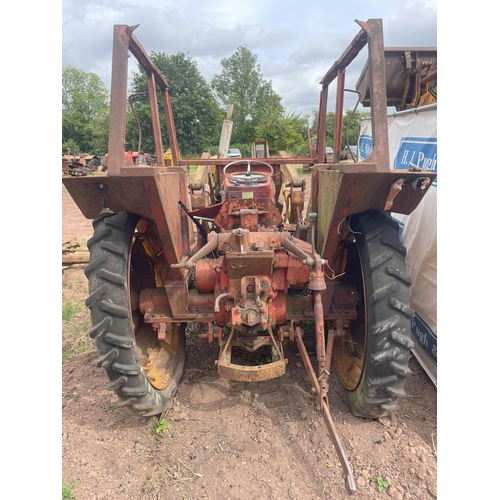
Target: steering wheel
248,176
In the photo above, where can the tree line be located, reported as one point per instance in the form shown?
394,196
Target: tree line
199,109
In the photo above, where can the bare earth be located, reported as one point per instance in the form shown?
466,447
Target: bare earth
236,441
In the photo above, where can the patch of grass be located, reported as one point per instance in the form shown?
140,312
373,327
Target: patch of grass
261,356
73,309
162,426
76,325
67,492
76,340
147,437
263,361
235,388
202,432
305,175
168,470
308,327
109,406
381,484
76,322
68,311
318,487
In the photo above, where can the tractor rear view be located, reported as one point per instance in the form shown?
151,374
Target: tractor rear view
237,250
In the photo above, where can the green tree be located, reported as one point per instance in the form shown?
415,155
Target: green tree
287,133
242,84
85,109
329,127
350,122
198,119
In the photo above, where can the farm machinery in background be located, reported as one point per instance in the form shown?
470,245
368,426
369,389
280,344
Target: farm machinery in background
236,251
80,164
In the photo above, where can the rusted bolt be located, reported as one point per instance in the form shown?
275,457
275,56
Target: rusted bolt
250,288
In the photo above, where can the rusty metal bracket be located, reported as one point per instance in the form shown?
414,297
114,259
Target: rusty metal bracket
102,189
240,373
421,183
396,187
162,331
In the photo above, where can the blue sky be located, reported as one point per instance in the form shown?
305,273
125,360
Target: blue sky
295,41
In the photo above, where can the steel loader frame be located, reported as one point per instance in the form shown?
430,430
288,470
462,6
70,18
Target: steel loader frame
255,278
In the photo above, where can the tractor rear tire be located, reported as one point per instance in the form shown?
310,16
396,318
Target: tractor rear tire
117,270
371,358
92,165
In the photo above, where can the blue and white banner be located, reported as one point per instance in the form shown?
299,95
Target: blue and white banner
417,152
413,143
425,337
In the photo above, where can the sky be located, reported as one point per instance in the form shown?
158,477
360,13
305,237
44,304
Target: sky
296,42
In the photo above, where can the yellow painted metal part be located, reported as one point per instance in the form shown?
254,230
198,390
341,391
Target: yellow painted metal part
290,174
293,193
148,235
349,359
257,373
430,97
168,158
163,358
201,175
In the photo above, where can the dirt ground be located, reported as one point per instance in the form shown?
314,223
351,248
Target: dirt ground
236,441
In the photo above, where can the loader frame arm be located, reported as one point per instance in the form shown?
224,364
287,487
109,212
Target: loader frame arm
347,189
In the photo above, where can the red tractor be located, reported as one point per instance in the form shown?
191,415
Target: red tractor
234,251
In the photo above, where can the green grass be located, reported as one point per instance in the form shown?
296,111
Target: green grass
300,171
320,488
68,311
76,326
162,426
382,484
67,492
76,322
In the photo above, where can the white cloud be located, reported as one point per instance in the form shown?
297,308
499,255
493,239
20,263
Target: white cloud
296,43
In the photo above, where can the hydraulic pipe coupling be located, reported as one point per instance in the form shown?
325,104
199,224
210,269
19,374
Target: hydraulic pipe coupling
217,301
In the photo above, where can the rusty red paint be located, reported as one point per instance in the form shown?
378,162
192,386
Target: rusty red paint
279,279
230,214
206,275
320,331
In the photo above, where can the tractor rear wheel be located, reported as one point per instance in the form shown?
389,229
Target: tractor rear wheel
143,372
371,356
